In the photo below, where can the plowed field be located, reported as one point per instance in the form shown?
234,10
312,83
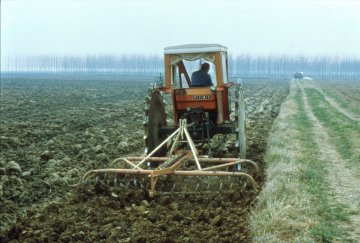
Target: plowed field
55,128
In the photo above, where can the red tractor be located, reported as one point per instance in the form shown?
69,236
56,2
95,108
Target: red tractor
172,151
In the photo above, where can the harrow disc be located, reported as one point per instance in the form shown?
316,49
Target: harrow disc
200,185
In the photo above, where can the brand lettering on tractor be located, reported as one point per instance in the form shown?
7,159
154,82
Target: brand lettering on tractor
201,97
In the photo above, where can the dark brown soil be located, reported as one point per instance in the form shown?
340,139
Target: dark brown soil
56,128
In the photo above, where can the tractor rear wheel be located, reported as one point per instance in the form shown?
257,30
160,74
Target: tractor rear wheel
155,118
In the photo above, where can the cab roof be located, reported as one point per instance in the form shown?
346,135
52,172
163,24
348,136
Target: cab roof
194,48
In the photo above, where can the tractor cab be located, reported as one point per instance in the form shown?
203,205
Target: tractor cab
209,110
180,62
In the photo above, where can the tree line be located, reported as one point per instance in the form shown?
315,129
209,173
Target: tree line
124,64
239,65
285,66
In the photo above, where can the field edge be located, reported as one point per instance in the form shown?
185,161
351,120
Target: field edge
294,203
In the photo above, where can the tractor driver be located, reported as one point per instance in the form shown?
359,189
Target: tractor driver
201,78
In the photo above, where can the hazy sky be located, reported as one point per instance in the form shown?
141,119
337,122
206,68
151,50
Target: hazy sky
82,27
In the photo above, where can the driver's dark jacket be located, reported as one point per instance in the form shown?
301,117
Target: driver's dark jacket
200,79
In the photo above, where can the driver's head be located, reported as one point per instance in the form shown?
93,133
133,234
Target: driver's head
205,67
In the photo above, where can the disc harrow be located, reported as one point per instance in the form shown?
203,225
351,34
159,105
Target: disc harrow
183,171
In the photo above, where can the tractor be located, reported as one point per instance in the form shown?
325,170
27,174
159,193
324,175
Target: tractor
298,75
174,148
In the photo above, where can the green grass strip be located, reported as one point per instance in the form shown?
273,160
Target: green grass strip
294,204
345,133
313,180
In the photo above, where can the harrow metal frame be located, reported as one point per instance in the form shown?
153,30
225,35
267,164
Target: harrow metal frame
172,165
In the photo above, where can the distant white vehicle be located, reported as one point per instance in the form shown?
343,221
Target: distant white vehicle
308,78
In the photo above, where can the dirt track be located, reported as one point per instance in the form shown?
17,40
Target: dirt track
343,181
57,128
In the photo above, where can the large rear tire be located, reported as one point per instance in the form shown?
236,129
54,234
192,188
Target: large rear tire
155,118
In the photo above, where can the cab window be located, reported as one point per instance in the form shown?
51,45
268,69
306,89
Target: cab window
191,66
